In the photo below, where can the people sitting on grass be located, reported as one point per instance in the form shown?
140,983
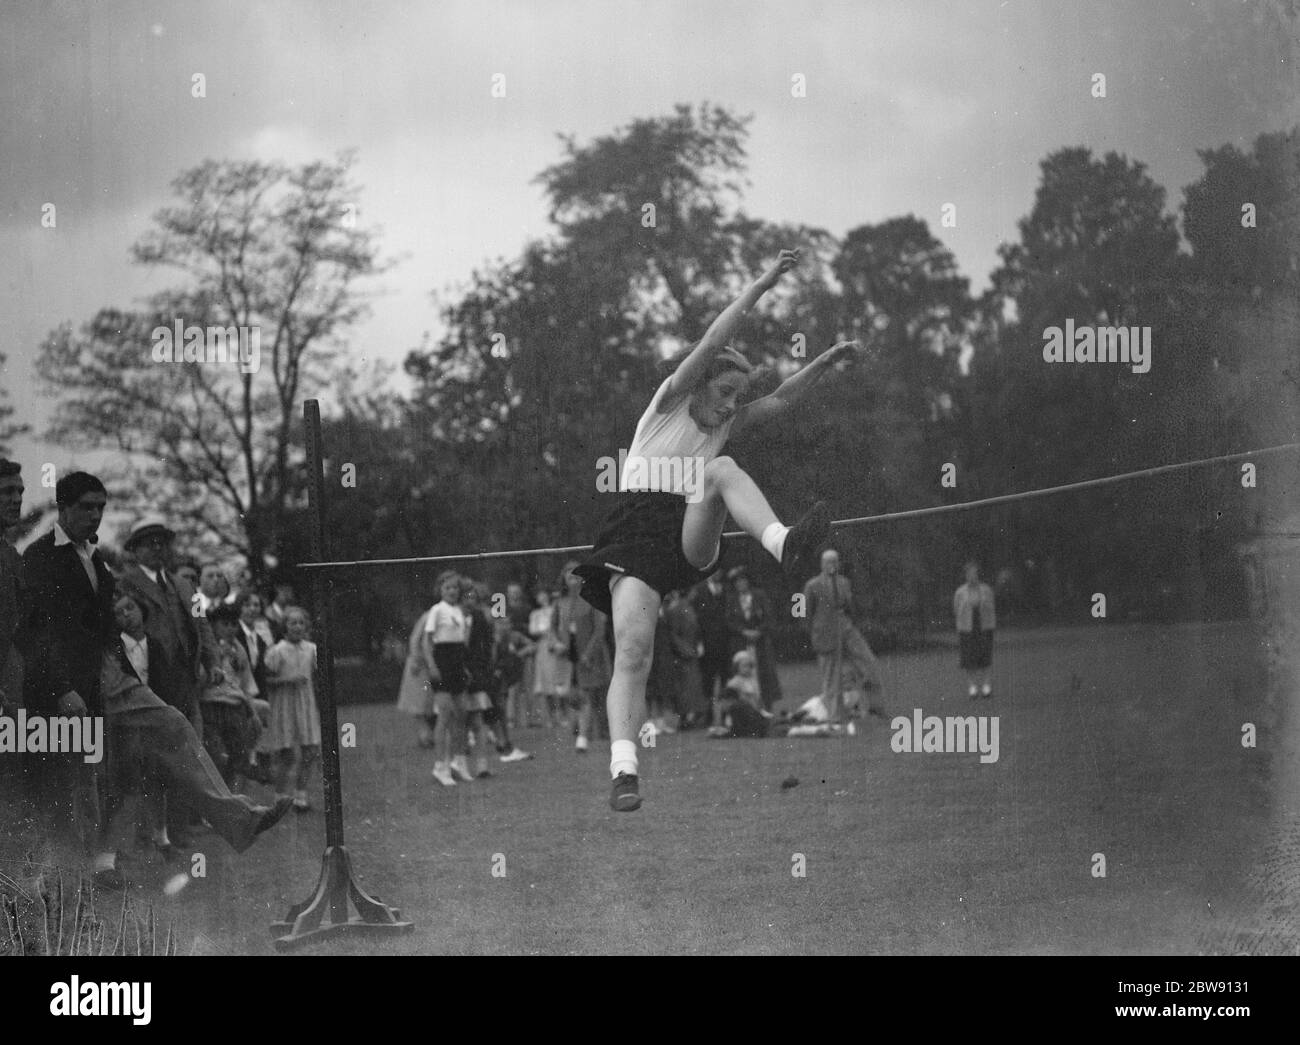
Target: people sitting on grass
741,706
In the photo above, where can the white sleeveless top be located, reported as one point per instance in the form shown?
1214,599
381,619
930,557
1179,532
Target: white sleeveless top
669,451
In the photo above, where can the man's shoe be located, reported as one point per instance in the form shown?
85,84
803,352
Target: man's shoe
269,816
802,543
625,795
516,755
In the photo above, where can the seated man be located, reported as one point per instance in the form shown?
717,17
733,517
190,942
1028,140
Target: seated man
173,753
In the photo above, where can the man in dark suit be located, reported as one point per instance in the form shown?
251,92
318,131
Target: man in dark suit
66,627
829,602
179,634
178,631
709,600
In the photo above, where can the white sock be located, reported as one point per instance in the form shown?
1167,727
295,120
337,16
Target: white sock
622,757
773,539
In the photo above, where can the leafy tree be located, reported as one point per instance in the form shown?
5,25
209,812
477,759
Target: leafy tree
264,247
1097,248
8,429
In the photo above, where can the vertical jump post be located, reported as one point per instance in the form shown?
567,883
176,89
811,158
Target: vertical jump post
326,911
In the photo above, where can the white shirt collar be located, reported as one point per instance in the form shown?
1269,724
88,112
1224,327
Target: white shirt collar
151,574
61,538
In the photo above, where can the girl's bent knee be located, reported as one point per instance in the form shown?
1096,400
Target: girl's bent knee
632,658
719,467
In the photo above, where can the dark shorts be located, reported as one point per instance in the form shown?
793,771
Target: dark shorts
976,649
450,658
641,537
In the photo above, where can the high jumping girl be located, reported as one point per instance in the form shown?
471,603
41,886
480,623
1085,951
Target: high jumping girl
676,491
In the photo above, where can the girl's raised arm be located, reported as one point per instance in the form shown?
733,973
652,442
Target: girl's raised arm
693,367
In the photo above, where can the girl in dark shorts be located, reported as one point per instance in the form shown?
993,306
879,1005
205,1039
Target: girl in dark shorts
665,530
444,652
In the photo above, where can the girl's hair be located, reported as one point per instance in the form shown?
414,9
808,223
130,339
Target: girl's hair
741,656
443,578
480,590
126,596
226,611
241,600
727,359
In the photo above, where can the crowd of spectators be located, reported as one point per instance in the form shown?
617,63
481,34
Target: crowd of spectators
199,689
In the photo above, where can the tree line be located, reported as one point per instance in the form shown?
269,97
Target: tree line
544,362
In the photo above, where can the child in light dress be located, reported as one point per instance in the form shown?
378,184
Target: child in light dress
294,731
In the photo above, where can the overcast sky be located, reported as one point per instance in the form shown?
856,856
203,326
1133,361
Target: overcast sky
909,105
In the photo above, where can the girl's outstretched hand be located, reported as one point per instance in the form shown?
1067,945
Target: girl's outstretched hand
845,352
787,260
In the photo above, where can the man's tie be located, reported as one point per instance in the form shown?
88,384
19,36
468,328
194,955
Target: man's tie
88,563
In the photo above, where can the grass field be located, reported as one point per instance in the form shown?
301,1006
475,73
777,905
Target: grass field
1121,740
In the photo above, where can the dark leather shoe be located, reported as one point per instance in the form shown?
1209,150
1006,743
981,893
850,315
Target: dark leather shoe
804,541
269,816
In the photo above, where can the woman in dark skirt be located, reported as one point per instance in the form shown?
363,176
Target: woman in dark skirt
676,492
972,605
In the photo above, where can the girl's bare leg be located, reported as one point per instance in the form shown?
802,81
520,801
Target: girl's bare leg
636,611
442,730
726,488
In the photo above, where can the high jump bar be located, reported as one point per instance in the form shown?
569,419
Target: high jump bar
913,513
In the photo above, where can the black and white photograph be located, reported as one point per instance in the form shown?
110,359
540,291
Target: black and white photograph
712,478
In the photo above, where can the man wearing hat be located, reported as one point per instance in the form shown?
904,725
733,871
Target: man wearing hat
177,630
178,634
